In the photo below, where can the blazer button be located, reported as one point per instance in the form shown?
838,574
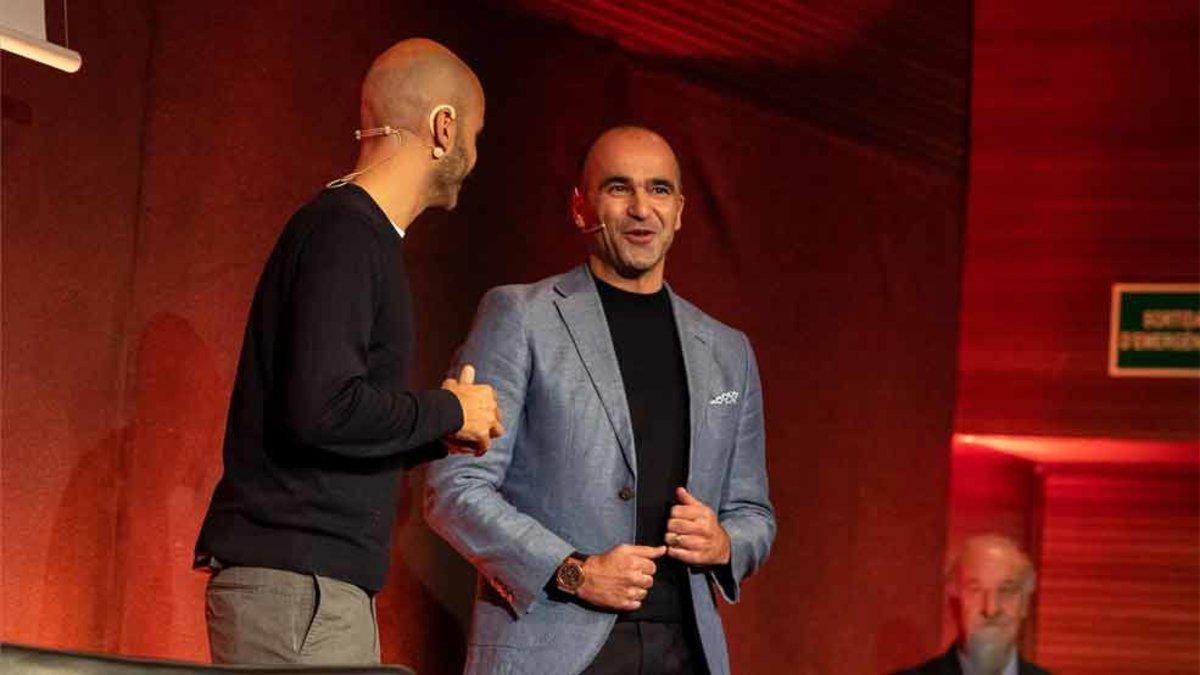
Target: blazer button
626,493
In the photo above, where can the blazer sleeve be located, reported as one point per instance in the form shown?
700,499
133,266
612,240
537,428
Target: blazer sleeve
745,510
515,553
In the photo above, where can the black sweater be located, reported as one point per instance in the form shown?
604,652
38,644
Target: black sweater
321,422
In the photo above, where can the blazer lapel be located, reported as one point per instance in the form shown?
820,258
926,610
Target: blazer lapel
581,311
695,342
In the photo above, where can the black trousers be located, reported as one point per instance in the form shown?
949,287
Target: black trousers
650,648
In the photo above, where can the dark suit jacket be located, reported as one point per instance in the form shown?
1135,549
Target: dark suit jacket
947,664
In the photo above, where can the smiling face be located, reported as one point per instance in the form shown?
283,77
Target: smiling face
631,185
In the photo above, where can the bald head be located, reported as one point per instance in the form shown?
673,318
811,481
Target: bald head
623,141
410,79
422,110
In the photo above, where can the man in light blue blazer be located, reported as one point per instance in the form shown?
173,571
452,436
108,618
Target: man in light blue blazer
631,485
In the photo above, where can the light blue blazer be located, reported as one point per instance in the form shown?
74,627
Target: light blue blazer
551,484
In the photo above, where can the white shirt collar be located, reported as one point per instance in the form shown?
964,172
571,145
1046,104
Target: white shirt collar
385,215
395,226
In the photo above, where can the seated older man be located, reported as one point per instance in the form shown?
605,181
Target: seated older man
990,583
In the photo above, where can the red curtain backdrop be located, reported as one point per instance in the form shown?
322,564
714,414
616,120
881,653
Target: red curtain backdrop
71,171
141,196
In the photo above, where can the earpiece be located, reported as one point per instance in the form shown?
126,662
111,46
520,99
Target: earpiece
437,109
438,151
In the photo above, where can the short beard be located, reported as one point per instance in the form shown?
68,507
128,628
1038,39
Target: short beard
448,177
629,271
986,653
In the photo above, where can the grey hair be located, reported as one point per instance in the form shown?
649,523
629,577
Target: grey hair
993,540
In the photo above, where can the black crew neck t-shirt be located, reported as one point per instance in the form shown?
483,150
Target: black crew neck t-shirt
647,346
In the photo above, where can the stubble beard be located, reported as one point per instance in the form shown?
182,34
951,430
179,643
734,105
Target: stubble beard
628,264
448,178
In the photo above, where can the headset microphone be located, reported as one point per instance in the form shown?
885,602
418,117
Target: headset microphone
388,130
577,204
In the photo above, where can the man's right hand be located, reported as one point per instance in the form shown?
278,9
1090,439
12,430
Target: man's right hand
481,414
620,578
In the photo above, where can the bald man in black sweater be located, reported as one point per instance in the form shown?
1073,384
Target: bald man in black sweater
321,420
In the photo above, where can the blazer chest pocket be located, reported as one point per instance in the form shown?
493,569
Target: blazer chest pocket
721,409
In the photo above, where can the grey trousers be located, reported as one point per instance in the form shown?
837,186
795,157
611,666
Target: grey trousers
262,616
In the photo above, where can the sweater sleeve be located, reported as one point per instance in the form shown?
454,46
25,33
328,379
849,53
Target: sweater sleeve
331,402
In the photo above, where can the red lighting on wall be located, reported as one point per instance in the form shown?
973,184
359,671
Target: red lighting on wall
1073,450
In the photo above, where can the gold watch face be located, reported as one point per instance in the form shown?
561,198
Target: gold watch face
570,575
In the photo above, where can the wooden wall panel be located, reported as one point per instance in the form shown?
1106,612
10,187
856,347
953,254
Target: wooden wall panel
1083,173
1119,592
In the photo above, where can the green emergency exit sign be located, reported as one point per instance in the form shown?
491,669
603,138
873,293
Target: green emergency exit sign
1155,330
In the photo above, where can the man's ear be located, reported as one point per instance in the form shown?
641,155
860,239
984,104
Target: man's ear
442,126
577,207
679,214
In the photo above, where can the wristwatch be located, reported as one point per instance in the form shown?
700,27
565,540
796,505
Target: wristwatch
569,575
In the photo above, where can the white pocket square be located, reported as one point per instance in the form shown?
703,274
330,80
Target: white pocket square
727,398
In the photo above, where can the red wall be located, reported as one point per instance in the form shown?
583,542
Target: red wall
1119,588
71,178
1084,172
142,196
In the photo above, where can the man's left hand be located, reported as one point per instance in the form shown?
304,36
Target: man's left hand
694,535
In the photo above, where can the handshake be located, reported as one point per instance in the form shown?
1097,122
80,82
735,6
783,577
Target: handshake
481,414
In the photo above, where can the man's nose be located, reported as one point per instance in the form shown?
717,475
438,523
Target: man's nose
639,205
991,604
